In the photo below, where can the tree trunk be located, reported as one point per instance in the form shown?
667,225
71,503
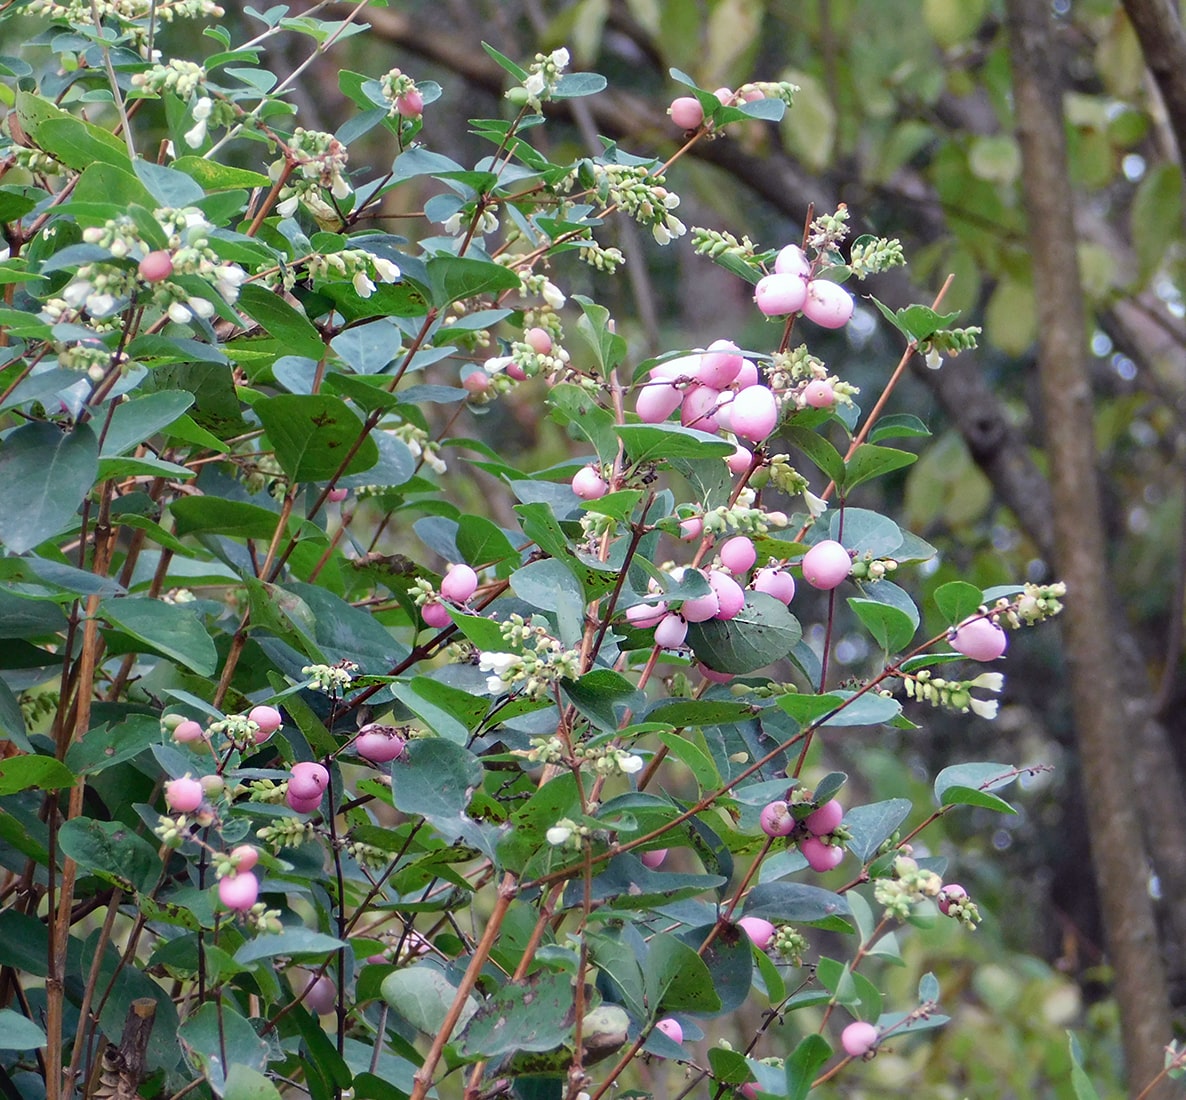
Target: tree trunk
1118,850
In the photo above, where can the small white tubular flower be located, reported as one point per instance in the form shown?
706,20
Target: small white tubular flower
552,294
561,58
628,763
101,305
385,269
363,286
986,708
497,662
341,186
934,359
452,224
990,681
816,506
287,207
498,363
558,835
179,313
195,136
535,84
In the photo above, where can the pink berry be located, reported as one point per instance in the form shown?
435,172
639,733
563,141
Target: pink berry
712,676
821,856
378,744
238,891
819,395
724,96
858,1039
319,993
302,805
730,595
244,857
436,615
828,304
826,565
691,528
747,376
740,460
792,261
825,819
156,266
671,631
738,554
720,364
410,104
477,381
268,719
309,780
686,112
953,892
759,930
671,1028
189,730
749,1090
588,484
699,408
980,639
645,615
657,401
776,819
459,583
778,295
682,369
516,371
775,582
754,413
654,858
336,496
539,340
700,609
184,795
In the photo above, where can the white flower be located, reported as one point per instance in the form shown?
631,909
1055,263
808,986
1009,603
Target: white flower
535,84
363,286
934,359
558,835
202,108
201,308
990,681
629,763
497,662
452,224
986,708
385,269
341,186
287,207
101,305
561,58
93,234
552,294
179,313
195,136
816,506
498,363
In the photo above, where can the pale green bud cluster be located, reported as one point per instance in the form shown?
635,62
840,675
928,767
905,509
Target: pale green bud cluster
828,230
264,920
714,243
540,661
606,760
267,792
599,257
566,833
1037,603
238,729
642,197
543,75
395,83
910,885
546,750
741,518
872,257
422,592
784,476
133,15
366,855
789,943
417,441
320,161
771,89
787,368
330,679
178,76
38,705
286,832
872,569
955,694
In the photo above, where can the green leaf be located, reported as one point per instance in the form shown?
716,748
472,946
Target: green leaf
873,824
217,515
213,176
968,784
969,796
957,600
171,629
448,711
866,532
111,849
44,773
891,628
1156,214
804,1064
437,783
599,694
677,979
687,752
245,1083
798,903
1080,1082
574,85
44,475
422,995
453,278
483,543
517,71
313,433
763,632
581,412
898,426
12,721
535,1014
167,185
548,585
819,450
132,422
869,461
297,942
294,330
730,962
922,322
216,1036
594,326
19,1033
658,442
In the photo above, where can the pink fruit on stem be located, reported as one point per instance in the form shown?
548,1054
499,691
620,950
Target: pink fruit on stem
720,364
825,819
410,104
740,460
378,744
244,857
268,719
821,856
477,381
657,401
539,340
775,582
184,795
754,413
436,615
779,295
759,930
516,371
188,731
699,609
749,1090
691,528
336,496
725,96
302,805
238,891
952,892
309,780
671,1028
459,583
671,631
588,484
712,675
980,639
654,858
686,112
644,615
828,304
776,819
738,554
730,595
699,407
318,994
819,395
747,376
792,260
858,1039
826,565
156,266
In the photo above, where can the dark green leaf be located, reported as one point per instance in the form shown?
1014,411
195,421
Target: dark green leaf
956,785
22,773
535,1014
294,330
601,694
171,629
898,426
454,278
820,451
658,442
873,824
437,782
730,962
217,515
296,942
866,532
869,461
677,979
798,903
609,349
132,422
216,1036
111,849
956,600
313,434
763,632
891,628
422,995
245,1083
804,1064
483,543
44,475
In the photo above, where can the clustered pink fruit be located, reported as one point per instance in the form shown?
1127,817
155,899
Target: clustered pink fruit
686,112
588,483
268,719
760,930
979,638
951,893
776,819
858,1038
184,795
458,585
238,891
826,565
379,744
306,786
654,858
671,1028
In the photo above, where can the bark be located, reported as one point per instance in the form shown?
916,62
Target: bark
1098,696
1163,43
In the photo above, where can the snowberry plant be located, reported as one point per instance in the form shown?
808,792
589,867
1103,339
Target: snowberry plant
311,780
